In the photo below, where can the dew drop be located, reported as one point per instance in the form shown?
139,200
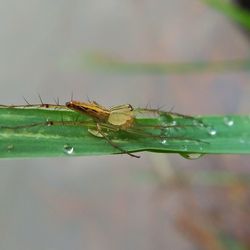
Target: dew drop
242,140
191,156
174,122
198,122
69,150
212,131
228,121
164,142
195,123
49,124
10,147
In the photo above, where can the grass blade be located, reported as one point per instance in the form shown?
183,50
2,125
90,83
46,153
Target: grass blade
69,134
232,11
97,61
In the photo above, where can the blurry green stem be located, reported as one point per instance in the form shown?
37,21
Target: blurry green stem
231,10
101,62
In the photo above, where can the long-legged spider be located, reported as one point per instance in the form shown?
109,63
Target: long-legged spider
116,118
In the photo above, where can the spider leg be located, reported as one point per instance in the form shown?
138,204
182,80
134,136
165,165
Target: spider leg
139,131
47,123
113,144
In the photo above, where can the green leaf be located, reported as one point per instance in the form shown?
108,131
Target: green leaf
98,61
41,132
232,11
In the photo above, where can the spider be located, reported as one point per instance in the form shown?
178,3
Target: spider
116,118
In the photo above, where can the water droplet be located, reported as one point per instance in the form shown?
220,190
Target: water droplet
10,147
198,123
164,142
228,121
242,140
212,131
174,122
68,149
195,122
193,156
184,148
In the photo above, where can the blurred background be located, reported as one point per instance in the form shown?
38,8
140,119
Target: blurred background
159,201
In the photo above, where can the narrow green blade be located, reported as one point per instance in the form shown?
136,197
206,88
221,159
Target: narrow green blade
232,11
36,132
107,64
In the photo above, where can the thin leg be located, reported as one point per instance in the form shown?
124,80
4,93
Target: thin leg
41,105
142,133
114,145
50,123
